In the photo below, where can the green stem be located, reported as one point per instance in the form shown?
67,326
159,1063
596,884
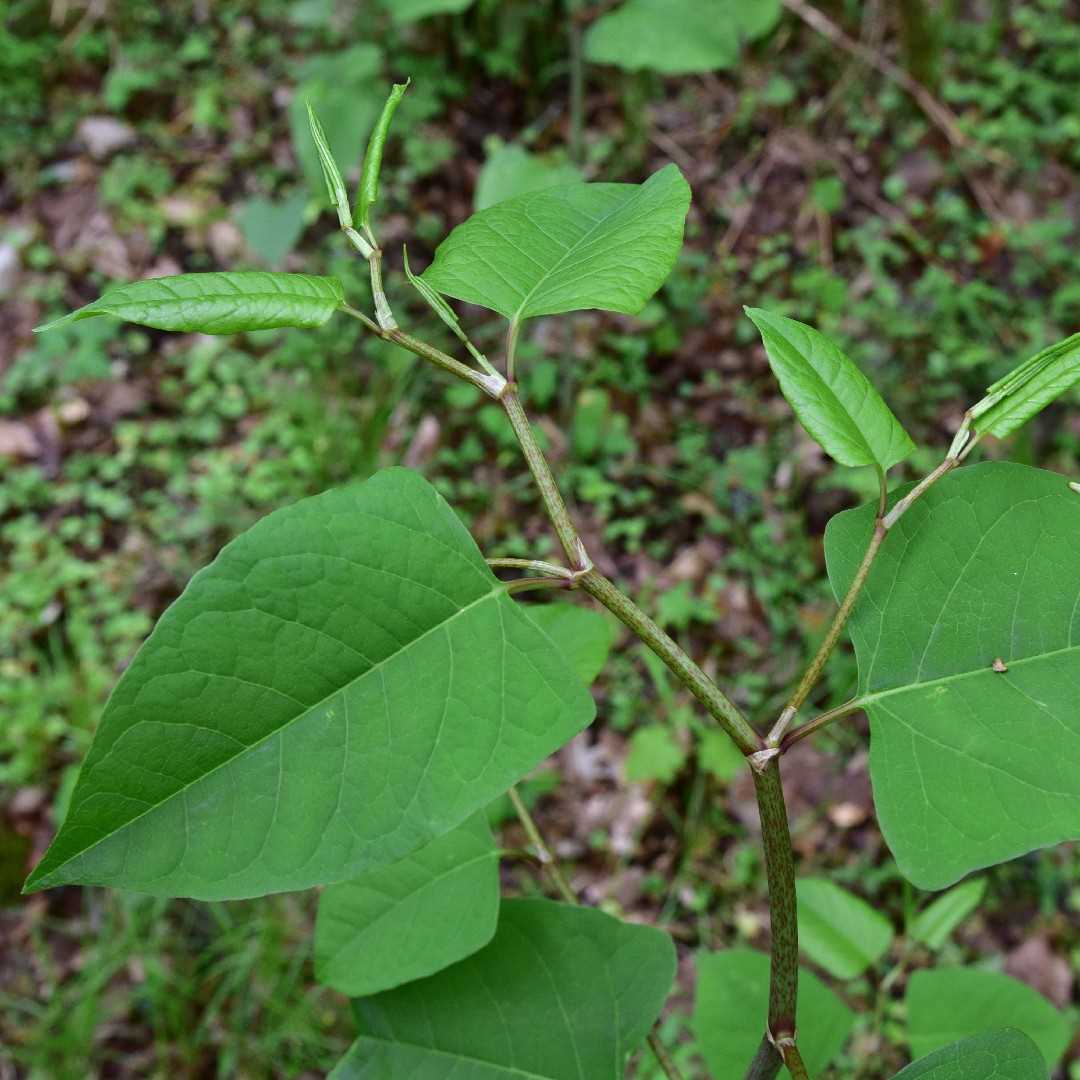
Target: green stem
795,1064
688,673
766,1063
827,717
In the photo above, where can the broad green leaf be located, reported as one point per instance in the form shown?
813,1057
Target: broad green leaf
1014,400
832,398
368,191
654,754
719,755
732,1007
344,683
970,765
406,11
678,37
561,993
607,246
933,925
217,303
584,636
837,930
994,1055
947,1004
271,227
412,918
510,171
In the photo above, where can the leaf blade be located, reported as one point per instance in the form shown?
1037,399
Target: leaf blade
368,192
933,925
838,930
207,774
217,303
1003,1055
832,398
552,251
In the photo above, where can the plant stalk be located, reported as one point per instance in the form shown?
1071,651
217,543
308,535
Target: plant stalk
827,717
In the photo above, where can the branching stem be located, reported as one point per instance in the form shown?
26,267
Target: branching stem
838,713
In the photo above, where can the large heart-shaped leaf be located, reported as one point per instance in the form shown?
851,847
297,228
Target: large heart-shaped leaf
832,398
837,930
412,918
971,764
946,1004
584,635
678,37
344,683
994,1055
561,993
732,1008
607,246
218,303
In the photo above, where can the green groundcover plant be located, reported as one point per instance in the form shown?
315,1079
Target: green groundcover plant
339,697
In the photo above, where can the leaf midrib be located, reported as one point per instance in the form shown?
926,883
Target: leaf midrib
36,882
869,699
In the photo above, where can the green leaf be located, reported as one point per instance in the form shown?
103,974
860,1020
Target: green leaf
719,755
271,227
368,191
655,754
218,303
732,1007
406,11
947,1004
335,185
561,993
832,398
607,246
842,933
679,37
510,171
584,636
412,918
993,1055
933,925
346,682
970,765
1014,400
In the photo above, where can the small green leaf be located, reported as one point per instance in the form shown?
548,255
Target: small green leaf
655,754
335,185
971,765
346,682
412,918
947,1004
583,635
407,11
832,398
1015,399
719,755
732,1008
678,37
368,191
607,246
271,227
993,1055
837,930
510,171
933,925
217,303
561,993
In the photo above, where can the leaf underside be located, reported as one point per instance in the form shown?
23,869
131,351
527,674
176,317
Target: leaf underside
561,993
993,1055
832,398
218,303
568,248
412,918
344,683
970,766
732,1006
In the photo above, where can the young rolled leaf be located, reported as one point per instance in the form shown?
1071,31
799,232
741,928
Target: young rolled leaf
1015,399
1000,1055
607,246
936,922
583,635
217,303
344,683
732,1009
412,918
335,185
368,191
837,930
561,993
967,635
946,1004
832,398
678,37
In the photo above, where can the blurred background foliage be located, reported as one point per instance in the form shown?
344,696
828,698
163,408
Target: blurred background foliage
140,139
